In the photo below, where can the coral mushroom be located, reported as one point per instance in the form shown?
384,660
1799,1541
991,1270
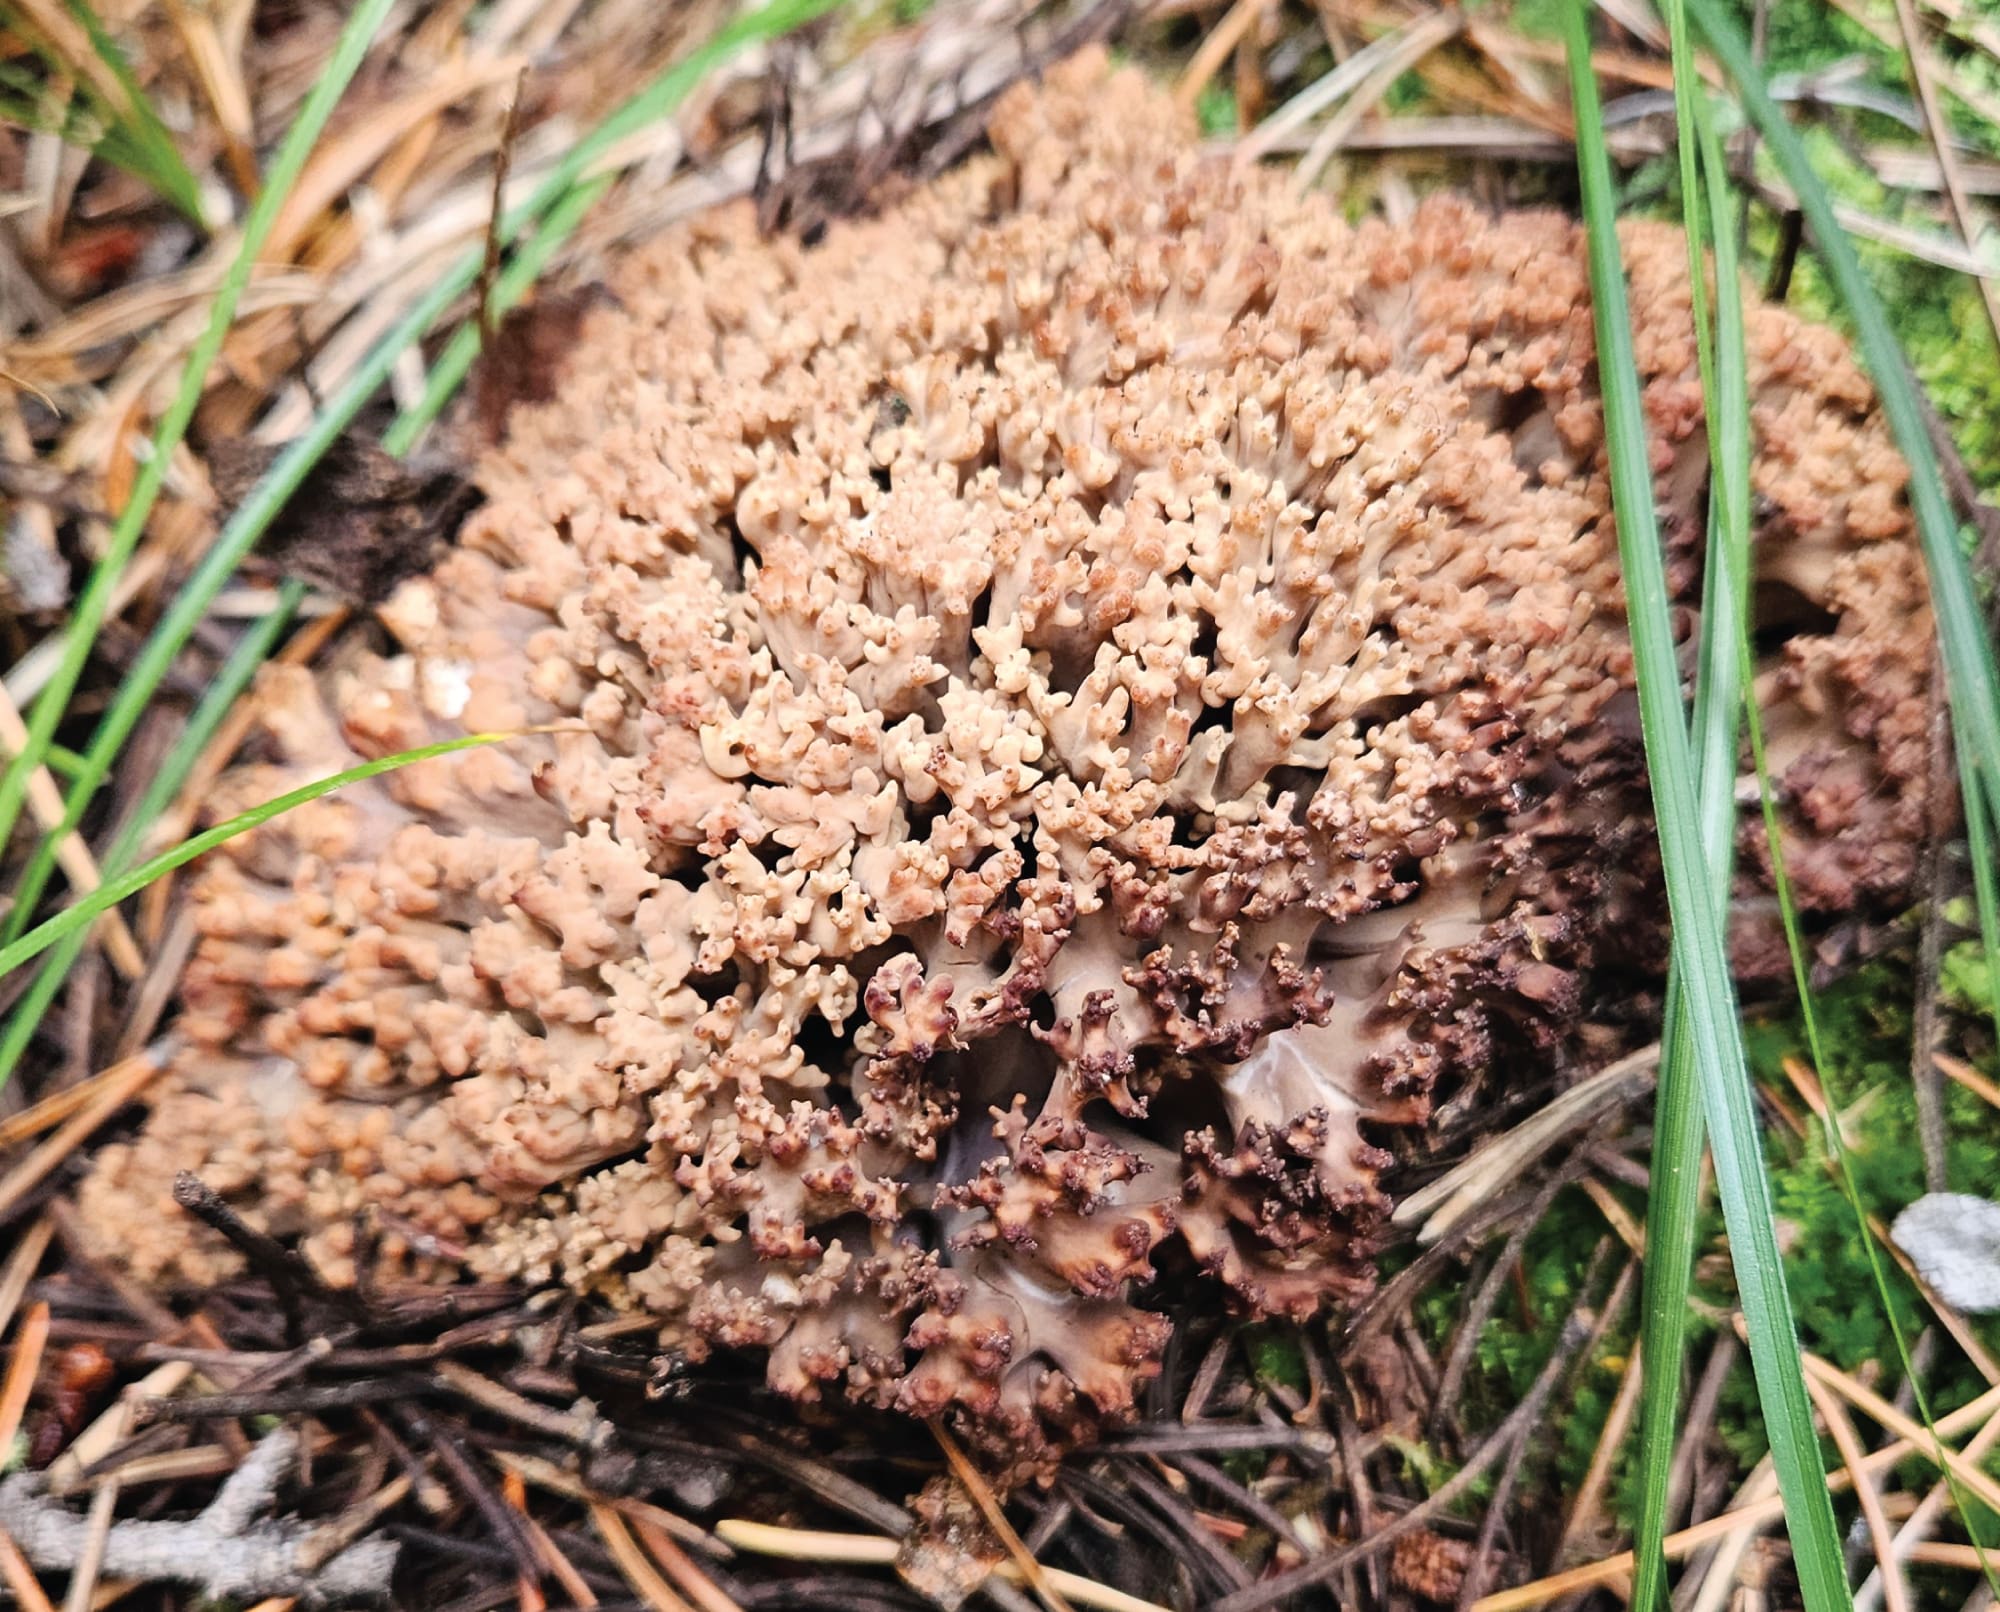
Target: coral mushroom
1085,700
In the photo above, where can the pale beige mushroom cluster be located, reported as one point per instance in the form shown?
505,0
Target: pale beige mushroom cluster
1081,699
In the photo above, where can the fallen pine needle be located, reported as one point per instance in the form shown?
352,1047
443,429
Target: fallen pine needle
21,1369
547,1475
1968,1077
20,1579
1895,1593
996,1518
877,1550
633,1562
1630,1232
1970,1557
21,1267
1880,1411
1215,49
514,1490
121,1083
697,1585
53,1109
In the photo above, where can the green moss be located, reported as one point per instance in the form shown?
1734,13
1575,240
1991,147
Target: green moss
1215,110
1276,1356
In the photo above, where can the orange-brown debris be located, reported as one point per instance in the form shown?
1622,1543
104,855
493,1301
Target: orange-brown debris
1088,696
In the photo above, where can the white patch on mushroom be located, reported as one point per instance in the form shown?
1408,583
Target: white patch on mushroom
447,687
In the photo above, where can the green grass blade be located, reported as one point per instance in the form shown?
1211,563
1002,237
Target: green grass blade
135,131
559,202
221,694
92,605
73,919
1973,685
1985,880
1673,1203
1699,950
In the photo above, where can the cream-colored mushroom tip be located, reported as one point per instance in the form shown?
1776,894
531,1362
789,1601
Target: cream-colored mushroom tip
1088,699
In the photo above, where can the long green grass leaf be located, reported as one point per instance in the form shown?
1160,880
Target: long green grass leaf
94,602
107,895
1699,951
1673,1204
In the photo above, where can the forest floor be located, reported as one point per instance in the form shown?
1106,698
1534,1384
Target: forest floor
1271,1468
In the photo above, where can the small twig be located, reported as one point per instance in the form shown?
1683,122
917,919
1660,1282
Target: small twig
471,1483
309,1399
225,1552
586,1432
290,1274
1205,1439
